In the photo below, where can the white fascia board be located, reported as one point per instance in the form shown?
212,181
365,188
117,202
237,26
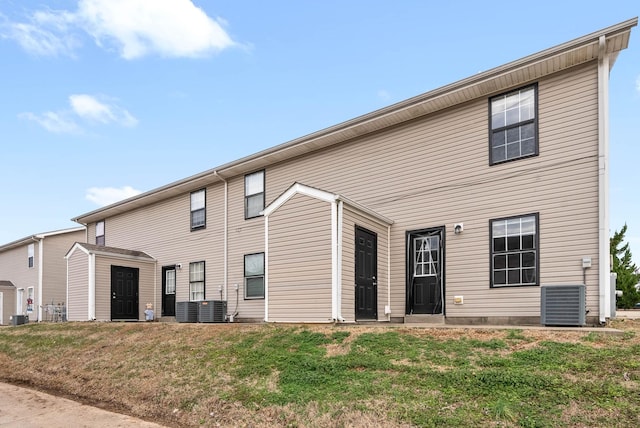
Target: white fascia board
60,232
76,246
298,188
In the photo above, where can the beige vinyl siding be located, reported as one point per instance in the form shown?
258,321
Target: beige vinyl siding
54,278
299,261
103,284
14,267
91,234
78,286
435,171
245,237
163,230
352,218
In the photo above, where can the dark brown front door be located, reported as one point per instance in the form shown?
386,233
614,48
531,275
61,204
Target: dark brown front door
366,275
124,293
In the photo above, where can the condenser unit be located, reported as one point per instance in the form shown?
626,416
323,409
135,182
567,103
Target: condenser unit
563,305
212,311
187,311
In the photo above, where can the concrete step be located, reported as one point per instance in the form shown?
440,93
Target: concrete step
167,319
424,319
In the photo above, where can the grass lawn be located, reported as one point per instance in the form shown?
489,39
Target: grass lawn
317,376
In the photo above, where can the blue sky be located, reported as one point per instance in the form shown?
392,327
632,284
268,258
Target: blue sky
105,98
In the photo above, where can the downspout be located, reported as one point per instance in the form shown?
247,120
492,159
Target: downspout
39,240
225,235
67,292
334,260
92,288
389,272
266,268
604,311
339,263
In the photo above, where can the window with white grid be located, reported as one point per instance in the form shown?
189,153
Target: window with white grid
196,281
513,120
514,251
198,209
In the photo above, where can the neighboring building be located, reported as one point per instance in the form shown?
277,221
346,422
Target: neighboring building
33,273
7,301
460,204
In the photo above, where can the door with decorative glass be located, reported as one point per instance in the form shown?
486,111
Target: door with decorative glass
169,291
425,287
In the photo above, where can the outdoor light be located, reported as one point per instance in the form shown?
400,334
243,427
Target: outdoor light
458,228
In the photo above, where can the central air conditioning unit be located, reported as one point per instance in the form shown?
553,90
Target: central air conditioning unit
187,311
212,311
563,305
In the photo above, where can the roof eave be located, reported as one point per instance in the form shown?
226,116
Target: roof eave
530,68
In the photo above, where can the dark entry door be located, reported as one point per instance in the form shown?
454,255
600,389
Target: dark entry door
169,291
424,272
366,273
124,293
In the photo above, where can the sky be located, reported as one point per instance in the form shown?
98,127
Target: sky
104,99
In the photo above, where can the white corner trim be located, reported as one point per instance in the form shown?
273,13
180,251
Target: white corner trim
40,276
604,277
334,260
91,294
340,226
266,268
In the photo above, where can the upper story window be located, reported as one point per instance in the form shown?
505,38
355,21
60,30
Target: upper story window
100,233
30,250
253,194
514,125
196,281
198,209
254,276
514,251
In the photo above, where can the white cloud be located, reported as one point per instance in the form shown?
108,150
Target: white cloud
45,34
84,107
58,123
135,28
90,108
103,196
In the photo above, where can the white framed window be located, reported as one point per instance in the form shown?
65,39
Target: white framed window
253,194
514,251
513,125
426,250
254,276
170,282
30,257
196,281
198,209
100,233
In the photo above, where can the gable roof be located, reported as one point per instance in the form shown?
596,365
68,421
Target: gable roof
302,189
38,237
575,52
109,251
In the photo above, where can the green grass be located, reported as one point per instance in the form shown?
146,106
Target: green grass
337,372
